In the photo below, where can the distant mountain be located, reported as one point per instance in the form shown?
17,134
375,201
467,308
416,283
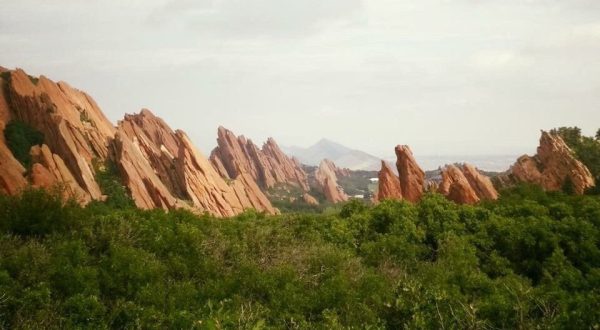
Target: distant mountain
341,155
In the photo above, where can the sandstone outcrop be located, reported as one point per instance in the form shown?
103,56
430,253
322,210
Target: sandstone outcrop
72,124
49,169
170,170
412,177
267,166
456,187
309,199
553,167
481,184
389,184
326,176
12,178
159,167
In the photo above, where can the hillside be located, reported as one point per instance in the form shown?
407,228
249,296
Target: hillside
341,155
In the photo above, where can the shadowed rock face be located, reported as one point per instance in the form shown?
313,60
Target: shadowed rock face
326,176
466,185
389,184
553,167
412,177
267,166
160,167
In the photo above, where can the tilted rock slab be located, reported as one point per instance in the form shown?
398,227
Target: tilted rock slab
553,166
267,166
327,181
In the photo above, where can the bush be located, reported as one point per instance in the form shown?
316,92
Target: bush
528,260
20,137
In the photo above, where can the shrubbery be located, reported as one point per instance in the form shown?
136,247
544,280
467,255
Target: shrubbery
529,260
20,137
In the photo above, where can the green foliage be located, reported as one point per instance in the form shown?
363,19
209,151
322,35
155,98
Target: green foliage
528,260
116,194
20,137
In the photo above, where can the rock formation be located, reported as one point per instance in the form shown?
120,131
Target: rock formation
159,167
12,178
412,177
163,169
389,184
267,166
310,200
553,167
326,176
481,184
49,170
71,122
466,185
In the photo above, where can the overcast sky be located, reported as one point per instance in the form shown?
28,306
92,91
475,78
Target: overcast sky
444,76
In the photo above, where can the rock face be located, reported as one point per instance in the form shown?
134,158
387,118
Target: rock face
466,185
553,167
163,169
310,200
72,124
412,177
389,184
12,178
481,184
267,166
160,167
326,176
49,169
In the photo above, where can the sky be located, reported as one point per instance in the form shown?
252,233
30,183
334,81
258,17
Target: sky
447,77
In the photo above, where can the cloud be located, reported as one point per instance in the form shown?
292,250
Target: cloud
258,18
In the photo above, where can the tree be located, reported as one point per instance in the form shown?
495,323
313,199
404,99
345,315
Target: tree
598,135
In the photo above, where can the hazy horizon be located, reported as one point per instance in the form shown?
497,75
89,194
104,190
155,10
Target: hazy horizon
447,77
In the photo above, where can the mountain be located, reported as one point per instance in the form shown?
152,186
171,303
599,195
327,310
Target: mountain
341,155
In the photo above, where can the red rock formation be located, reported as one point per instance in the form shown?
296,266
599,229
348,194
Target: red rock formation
310,200
456,187
481,184
553,166
11,172
73,126
161,168
466,185
49,169
389,184
179,172
209,191
268,166
412,177
12,178
327,181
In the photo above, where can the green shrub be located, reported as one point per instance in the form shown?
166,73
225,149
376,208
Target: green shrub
529,260
20,137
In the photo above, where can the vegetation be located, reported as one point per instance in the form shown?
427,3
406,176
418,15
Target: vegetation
20,137
529,260
358,183
110,183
